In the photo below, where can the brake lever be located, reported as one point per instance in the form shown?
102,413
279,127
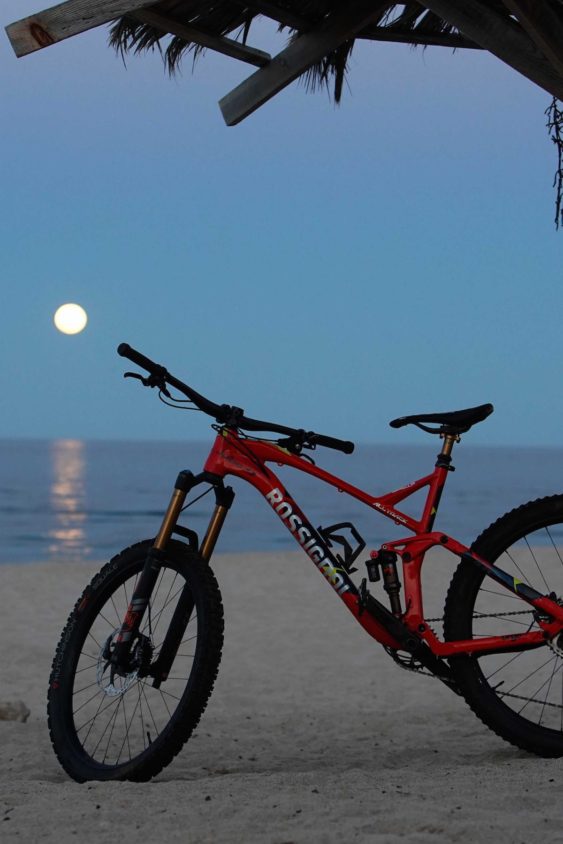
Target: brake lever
144,381
151,381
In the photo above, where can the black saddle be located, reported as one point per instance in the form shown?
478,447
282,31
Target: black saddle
455,422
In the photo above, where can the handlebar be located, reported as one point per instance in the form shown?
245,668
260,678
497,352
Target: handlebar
226,414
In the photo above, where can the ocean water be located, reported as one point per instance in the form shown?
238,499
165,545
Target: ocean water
74,500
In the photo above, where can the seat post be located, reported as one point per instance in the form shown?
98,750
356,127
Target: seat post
448,444
445,457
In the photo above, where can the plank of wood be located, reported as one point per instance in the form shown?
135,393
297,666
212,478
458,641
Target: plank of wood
502,37
408,36
297,57
63,21
276,13
543,25
227,46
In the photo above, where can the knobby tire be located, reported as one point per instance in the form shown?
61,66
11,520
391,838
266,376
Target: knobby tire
125,729
518,695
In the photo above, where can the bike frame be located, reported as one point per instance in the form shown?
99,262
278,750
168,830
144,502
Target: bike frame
247,458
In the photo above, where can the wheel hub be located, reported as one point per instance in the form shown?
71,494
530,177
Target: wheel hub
115,680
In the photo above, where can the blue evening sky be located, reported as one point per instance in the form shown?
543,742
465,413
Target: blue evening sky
327,267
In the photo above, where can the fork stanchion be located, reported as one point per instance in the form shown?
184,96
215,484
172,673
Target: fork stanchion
224,497
170,519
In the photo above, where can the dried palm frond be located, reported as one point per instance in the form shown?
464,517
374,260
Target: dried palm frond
233,18
221,18
554,115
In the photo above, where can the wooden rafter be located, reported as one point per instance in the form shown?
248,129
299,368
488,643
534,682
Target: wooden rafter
227,46
409,36
277,13
544,27
297,57
502,37
525,34
63,21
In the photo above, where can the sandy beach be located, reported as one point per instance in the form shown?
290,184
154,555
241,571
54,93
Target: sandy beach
312,734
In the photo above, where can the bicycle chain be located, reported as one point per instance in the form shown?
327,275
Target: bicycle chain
420,670
490,615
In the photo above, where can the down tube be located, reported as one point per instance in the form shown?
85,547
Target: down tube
315,547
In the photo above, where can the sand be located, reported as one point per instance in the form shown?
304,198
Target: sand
312,734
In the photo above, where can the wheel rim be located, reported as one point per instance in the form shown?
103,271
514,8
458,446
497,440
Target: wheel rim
117,718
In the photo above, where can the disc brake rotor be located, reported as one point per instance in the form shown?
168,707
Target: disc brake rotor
114,683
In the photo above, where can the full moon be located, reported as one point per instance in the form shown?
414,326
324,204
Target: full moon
70,319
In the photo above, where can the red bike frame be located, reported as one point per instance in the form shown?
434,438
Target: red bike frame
246,458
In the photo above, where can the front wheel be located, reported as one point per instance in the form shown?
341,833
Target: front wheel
519,694
106,725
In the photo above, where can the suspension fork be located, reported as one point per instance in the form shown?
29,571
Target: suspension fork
149,575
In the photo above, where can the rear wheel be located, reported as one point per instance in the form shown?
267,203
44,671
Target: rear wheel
105,725
519,695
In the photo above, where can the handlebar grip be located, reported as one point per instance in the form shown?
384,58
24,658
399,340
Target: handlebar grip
331,442
126,351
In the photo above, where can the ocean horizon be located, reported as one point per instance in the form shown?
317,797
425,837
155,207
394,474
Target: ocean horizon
81,500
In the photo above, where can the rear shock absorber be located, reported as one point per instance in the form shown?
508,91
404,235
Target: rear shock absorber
387,562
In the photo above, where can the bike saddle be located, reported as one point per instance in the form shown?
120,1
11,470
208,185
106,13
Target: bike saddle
454,422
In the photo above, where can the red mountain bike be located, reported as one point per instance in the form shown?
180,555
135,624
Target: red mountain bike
139,655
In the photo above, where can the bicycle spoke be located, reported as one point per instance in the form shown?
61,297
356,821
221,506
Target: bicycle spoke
149,708
517,567
117,614
90,634
505,594
538,690
166,600
505,665
158,615
74,711
88,656
91,722
140,702
531,674
502,617
537,564
555,548
83,689
126,737
169,694
548,691
111,731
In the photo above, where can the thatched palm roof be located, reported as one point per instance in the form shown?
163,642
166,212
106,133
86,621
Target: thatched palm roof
410,22
525,34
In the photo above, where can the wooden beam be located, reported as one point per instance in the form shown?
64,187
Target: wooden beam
409,36
276,13
298,57
63,21
502,37
544,27
227,46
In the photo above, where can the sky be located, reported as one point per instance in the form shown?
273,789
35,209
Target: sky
324,267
